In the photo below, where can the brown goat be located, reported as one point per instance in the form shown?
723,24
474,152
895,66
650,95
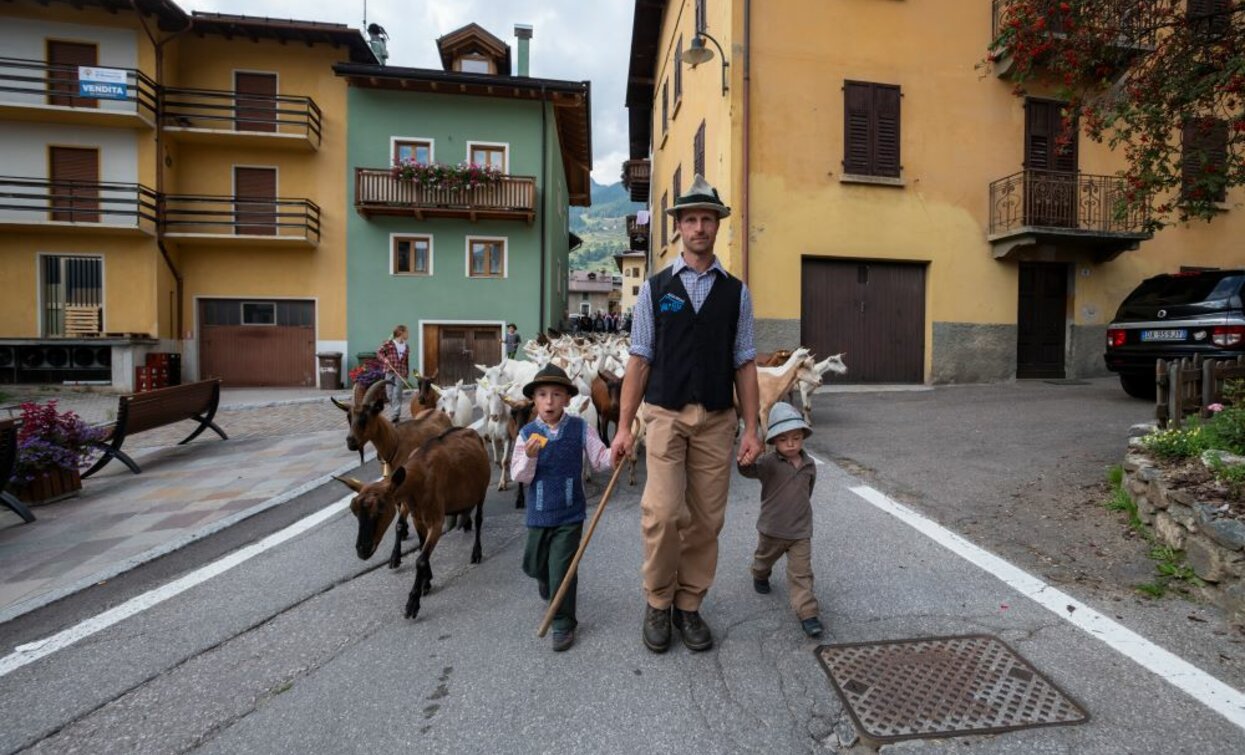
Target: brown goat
393,443
520,414
446,475
773,359
425,397
607,398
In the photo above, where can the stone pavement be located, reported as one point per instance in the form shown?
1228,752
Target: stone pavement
120,520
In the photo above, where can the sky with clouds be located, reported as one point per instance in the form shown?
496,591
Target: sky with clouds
575,40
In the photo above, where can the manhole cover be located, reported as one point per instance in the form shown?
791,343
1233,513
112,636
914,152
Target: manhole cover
942,687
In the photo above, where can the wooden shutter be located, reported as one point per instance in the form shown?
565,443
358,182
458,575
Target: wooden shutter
75,184
256,102
63,60
886,130
1042,126
1204,142
1209,17
665,219
857,115
678,71
698,151
252,217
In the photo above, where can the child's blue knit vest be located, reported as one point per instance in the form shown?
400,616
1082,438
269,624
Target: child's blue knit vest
558,487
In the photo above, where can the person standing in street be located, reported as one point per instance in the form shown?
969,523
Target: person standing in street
691,350
512,340
395,359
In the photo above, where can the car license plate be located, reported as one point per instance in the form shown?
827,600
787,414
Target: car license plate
1178,334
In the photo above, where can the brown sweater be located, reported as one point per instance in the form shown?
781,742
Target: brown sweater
786,511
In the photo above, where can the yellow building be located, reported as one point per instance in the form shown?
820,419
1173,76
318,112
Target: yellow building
890,199
216,229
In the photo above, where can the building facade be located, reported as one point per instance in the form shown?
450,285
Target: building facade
174,184
456,265
890,200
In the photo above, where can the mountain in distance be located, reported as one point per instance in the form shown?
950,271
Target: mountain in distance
603,227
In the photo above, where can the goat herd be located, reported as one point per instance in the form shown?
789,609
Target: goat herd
435,464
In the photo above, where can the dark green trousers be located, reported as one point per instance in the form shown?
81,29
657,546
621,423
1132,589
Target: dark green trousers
547,557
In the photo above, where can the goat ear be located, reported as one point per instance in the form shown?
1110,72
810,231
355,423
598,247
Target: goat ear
339,404
396,477
433,376
350,482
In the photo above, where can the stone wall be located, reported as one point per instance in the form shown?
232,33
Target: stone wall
1214,546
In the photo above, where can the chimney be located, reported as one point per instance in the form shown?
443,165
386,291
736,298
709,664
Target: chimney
524,33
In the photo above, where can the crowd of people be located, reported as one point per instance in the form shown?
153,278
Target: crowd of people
601,322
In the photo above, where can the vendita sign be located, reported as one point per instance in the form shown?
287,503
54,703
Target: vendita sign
102,83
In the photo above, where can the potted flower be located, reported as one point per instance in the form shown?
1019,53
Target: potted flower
51,448
465,175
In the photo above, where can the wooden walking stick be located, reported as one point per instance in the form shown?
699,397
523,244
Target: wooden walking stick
558,597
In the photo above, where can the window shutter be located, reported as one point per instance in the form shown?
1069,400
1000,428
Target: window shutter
665,219
678,71
886,130
66,57
857,106
79,200
698,151
1204,142
1209,17
257,218
256,101
1038,137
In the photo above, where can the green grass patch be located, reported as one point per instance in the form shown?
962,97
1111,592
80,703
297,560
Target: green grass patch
1115,475
1170,563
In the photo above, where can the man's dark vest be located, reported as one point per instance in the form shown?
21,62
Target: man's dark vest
693,352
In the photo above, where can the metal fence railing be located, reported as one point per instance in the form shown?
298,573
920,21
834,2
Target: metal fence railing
1062,200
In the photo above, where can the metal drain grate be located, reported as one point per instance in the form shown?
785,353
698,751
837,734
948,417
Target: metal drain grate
942,687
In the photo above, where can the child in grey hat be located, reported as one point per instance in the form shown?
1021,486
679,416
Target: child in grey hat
785,525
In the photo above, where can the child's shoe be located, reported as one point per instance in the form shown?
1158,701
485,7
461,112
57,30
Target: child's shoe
811,626
563,639
760,585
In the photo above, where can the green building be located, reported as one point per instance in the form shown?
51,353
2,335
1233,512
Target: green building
456,262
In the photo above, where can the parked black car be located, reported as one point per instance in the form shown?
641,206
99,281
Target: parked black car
1172,316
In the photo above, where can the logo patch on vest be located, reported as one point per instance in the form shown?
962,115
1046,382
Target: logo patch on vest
670,303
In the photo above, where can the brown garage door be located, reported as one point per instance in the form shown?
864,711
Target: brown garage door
873,311
451,351
258,342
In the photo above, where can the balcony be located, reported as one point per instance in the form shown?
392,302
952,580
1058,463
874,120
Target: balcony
1053,209
214,221
246,120
1133,22
377,192
91,207
635,178
35,90
637,235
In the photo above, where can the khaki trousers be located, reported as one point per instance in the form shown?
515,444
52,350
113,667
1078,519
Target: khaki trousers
684,502
799,570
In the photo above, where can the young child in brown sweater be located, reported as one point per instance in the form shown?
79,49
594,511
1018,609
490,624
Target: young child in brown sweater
785,525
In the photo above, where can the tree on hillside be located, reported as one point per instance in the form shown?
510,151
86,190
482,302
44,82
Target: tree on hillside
1161,80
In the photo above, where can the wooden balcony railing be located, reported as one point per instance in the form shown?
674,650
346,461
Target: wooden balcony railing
377,192
636,177
284,219
637,235
37,83
1134,22
108,205
1056,200
224,111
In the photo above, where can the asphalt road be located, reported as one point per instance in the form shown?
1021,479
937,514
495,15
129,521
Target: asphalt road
304,649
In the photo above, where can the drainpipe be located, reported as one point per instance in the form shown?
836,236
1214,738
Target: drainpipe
744,214
544,192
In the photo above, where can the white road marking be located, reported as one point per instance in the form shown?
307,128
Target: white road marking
1201,686
33,651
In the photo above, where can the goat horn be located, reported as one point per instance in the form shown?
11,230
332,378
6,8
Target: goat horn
339,404
375,393
350,482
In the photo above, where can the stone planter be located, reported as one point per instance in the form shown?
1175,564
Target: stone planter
51,486
1214,546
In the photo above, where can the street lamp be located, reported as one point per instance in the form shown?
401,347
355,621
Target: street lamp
697,53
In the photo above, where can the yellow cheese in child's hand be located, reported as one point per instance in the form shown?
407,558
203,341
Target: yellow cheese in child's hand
542,440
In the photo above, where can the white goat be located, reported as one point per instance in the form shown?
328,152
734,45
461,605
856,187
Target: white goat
455,402
810,379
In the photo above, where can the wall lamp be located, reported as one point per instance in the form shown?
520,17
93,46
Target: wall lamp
697,53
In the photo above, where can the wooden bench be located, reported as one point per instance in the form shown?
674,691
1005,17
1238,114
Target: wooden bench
151,409
8,461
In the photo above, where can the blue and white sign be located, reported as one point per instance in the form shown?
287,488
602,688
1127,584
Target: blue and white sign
102,83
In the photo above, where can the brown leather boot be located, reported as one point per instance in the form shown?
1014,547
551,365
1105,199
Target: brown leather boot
657,629
695,631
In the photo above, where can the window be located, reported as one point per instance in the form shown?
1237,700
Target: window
486,258
871,129
678,72
701,21
635,290
474,64
665,106
73,295
1204,146
676,185
1209,18
412,255
64,59
413,150
75,184
665,224
259,313
255,208
635,272
583,297
698,151
488,154
255,101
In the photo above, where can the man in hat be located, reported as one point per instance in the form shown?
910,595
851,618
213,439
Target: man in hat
691,344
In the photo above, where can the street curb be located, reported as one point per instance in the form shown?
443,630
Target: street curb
23,607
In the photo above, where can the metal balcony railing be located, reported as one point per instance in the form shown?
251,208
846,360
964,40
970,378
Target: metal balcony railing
40,200
1071,202
1133,21
37,83
218,110
377,191
283,218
